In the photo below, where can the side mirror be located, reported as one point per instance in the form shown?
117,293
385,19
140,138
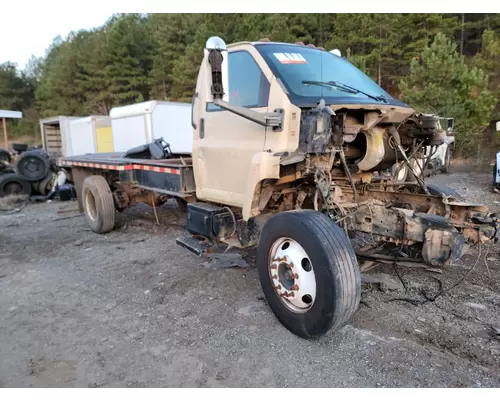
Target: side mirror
216,67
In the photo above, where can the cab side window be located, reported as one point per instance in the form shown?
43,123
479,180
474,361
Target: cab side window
248,86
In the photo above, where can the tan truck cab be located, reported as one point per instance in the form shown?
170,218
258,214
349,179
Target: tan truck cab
289,142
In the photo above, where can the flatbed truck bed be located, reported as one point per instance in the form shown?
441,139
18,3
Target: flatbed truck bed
173,177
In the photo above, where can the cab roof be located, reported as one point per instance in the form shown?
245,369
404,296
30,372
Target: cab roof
266,42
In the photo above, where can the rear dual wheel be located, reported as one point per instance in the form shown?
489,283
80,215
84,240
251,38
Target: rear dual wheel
98,204
308,272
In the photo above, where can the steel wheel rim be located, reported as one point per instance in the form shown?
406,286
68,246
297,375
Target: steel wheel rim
33,166
292,275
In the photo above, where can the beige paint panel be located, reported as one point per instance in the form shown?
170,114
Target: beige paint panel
104,140
288,138
223,158
232,158
225,155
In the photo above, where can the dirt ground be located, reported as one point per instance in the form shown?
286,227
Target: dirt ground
133,309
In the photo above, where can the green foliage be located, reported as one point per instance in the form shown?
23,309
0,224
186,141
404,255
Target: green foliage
441,82
488,60
129,58
17,94
133,58
172,34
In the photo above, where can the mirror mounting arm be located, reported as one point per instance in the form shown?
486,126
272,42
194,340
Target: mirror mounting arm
273,119
215,59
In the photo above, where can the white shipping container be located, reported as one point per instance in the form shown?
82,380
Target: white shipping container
90,135
55,135
141,123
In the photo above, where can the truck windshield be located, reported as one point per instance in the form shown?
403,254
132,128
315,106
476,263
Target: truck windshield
307,74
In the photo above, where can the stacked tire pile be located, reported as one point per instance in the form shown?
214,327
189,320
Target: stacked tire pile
32,172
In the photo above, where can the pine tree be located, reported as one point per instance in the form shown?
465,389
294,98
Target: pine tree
488,59
441,82
129,59
56,94
172,34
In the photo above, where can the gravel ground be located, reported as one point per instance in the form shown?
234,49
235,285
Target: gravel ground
133,309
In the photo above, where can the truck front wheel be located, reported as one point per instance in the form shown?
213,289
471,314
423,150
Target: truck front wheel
308,272
98,204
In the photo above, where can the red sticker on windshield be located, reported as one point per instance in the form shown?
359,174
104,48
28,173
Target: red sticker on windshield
290,58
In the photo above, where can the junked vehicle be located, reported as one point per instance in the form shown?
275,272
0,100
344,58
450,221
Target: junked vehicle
288,143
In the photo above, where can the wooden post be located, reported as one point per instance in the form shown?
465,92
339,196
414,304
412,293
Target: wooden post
5,135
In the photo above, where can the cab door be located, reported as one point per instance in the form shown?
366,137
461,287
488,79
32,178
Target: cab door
226,143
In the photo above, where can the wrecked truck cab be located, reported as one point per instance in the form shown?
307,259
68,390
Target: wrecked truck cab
290,145
318,134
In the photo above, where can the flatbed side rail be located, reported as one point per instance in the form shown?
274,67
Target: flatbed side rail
160,176
117,166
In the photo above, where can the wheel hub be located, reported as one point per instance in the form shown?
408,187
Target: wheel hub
292,275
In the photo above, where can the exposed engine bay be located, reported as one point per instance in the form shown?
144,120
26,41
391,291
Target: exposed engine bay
371,140
341,168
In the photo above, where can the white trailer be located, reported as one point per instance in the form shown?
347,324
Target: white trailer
141,123
55,135
90,134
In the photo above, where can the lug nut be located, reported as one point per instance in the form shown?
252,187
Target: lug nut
295,287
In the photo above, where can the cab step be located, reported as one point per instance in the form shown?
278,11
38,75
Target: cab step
199,247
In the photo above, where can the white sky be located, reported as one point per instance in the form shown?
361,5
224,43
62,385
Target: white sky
24,34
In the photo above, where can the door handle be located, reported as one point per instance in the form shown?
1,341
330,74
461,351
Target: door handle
202,128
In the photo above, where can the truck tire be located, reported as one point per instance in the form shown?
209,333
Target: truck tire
6,167
33,165
41,186
13,184
317,265
5,156
438,190
98,204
